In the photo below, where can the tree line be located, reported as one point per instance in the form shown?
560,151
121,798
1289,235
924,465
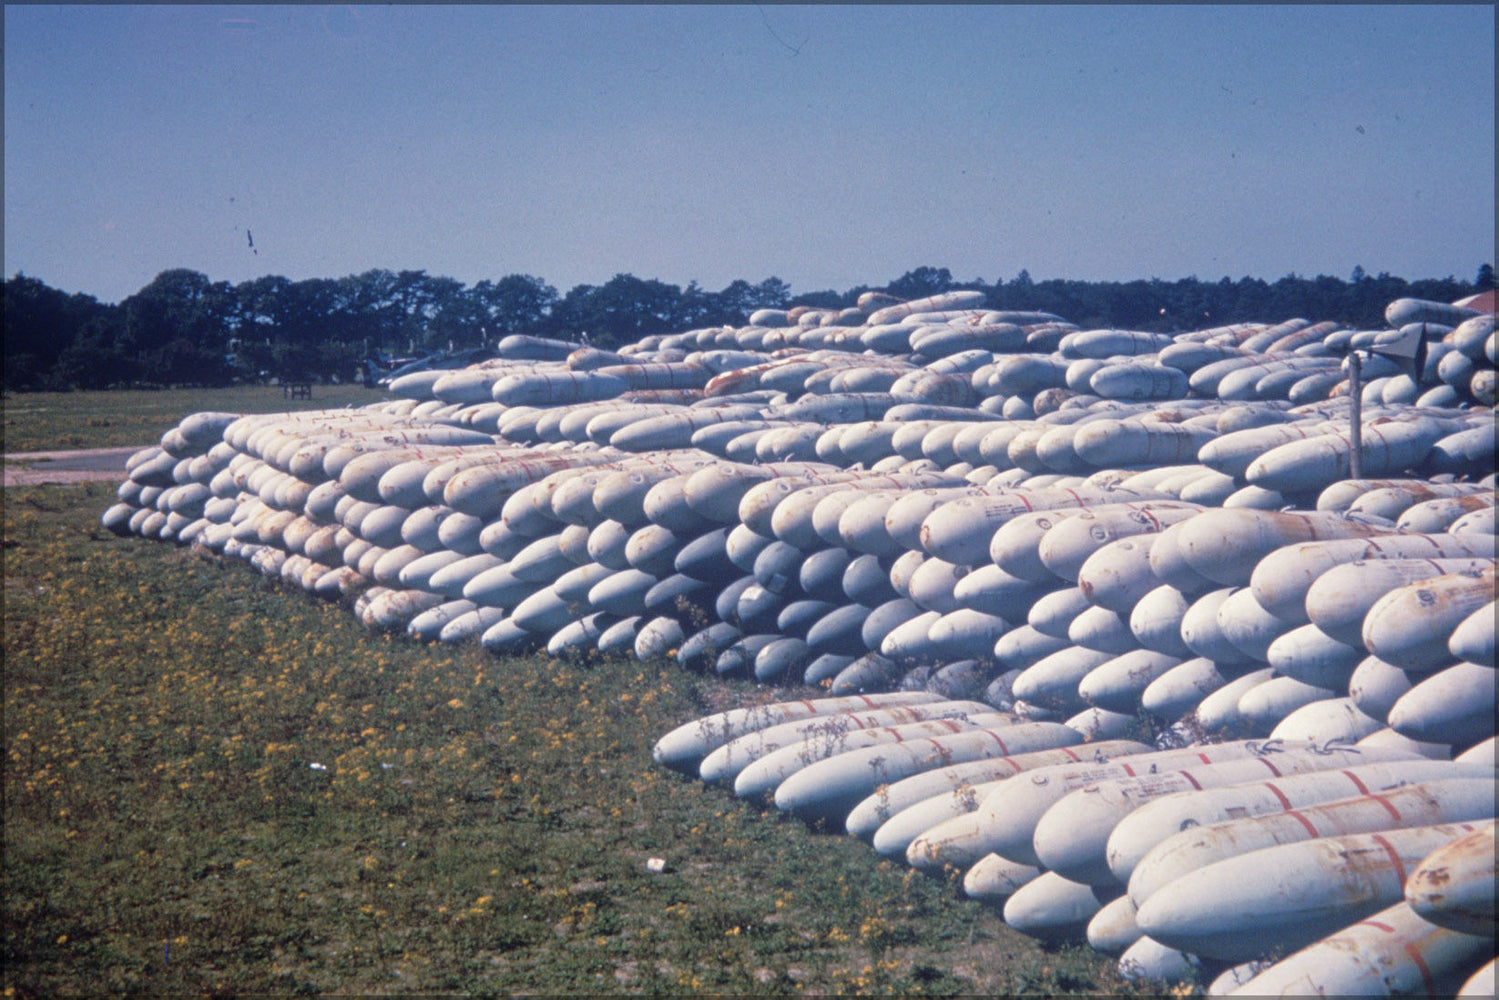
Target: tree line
184,329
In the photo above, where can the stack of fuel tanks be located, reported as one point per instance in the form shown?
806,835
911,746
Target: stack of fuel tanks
1102,617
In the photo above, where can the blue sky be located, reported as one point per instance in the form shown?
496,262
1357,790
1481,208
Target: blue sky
830,146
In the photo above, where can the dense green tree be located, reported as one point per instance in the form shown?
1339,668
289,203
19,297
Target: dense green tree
1446,289
42,324
36,325
921,282
293,361
370,302
415,299
180,304
181,326
96,360
740,298
186,362
573,313
623,309
516,303
827,299
697,308
262,306
437,313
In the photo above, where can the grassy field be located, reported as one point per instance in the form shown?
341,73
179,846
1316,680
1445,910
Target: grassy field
47,421
216,785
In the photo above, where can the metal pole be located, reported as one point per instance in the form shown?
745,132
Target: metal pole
1355,416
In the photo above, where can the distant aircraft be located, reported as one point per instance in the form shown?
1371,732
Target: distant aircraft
437,360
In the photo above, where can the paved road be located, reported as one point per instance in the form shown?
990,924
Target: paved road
31,468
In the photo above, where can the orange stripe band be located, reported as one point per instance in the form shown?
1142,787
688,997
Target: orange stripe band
1426,978
1395,861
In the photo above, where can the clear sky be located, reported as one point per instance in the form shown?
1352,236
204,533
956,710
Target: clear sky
829,146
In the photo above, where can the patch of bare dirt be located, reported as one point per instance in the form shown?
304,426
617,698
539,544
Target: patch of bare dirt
86,465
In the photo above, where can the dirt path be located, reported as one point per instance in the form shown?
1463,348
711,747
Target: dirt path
87,465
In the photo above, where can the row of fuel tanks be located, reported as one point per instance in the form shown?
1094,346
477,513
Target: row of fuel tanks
1260,867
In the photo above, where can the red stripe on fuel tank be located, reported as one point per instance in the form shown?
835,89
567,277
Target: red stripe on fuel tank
1285,803
1426,979
1388,807
1273,769
1304,822
1393,854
